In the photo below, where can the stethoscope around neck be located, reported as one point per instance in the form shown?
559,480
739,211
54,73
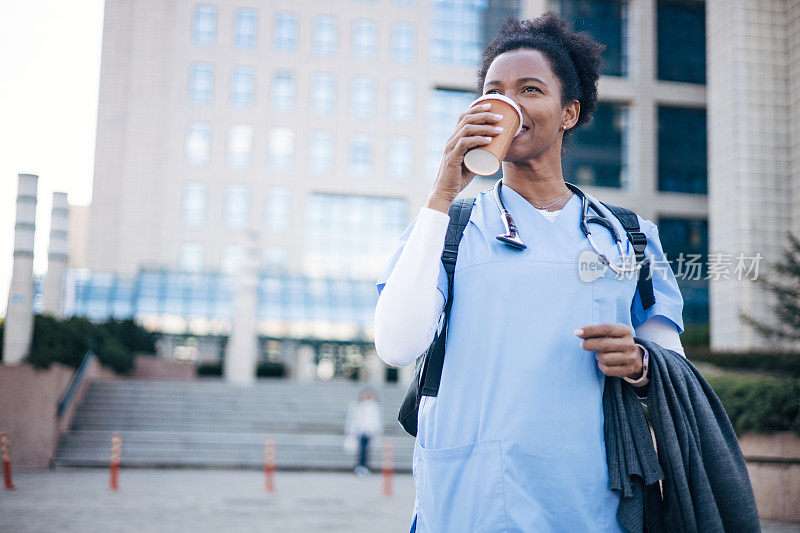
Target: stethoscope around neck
511,236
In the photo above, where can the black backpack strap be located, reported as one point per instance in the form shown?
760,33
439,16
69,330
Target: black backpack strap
460,211
638,239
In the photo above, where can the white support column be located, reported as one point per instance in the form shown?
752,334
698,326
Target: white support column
374,370
405,374
241,351
304,369
18,325
56,256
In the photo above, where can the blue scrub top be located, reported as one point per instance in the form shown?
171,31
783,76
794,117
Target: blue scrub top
514,440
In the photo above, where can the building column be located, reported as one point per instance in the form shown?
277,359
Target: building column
304,368
374,370
56,256
749,175
18,324
405,374
241,352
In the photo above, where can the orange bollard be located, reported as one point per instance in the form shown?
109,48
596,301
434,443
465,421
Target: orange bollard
269,463
388,467
7,482
116,456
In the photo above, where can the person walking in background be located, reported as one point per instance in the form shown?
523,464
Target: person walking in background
363,425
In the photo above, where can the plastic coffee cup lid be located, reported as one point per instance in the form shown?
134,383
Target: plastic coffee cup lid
507,100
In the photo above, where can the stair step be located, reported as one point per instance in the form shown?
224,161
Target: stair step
210,423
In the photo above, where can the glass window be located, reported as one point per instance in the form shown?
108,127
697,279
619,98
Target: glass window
405,2
246,30
400,158
444,108
326,36
280,148
275,260
240,145
599,151
362,96
285,32
197,146
457,37
361,146
243,85
192,257
681,28
284,90
237,207
365,39
122,300
276,213
201,83
231,259
682,150
204,24
681,238
194,204
404,42
607,22
350,236
320,151
402,98
322,93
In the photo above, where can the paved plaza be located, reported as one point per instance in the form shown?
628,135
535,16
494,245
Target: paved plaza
163,500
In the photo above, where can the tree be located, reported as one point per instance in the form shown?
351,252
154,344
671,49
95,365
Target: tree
787,292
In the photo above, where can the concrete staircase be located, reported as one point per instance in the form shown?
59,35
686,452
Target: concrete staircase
208,423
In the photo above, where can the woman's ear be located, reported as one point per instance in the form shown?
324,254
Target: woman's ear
571,114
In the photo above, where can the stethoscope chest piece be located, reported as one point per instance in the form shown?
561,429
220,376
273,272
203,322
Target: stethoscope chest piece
510,237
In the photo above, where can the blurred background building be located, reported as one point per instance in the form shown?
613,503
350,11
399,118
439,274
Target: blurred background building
319,126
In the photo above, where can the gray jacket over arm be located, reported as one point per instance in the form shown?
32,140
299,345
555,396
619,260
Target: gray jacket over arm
705,482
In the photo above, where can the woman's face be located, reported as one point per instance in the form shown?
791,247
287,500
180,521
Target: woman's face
525,76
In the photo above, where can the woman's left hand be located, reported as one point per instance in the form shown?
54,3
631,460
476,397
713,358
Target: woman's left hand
617,353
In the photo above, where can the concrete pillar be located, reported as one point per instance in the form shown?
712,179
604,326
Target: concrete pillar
750,178
241,352
374,371
405,374
18,325
56,256
304,366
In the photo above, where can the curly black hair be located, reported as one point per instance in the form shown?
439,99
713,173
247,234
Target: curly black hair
573,56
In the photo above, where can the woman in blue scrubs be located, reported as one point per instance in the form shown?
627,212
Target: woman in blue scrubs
514,439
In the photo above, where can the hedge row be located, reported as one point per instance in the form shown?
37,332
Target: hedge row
265,369
67,341
786,364
759,404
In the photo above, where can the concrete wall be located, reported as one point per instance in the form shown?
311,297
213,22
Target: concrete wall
774,465
28,409
149,367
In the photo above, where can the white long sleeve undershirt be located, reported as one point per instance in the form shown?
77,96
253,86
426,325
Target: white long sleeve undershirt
410,305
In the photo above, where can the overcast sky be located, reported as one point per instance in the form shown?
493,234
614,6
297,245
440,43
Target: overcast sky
49,75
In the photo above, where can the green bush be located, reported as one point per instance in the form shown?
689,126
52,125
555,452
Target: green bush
786,364
67,341
759,404
696,336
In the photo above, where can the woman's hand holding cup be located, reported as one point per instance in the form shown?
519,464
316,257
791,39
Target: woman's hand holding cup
475,128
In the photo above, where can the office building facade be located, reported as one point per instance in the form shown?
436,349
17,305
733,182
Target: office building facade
320,124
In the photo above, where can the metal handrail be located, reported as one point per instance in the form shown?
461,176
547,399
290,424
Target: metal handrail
77,379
